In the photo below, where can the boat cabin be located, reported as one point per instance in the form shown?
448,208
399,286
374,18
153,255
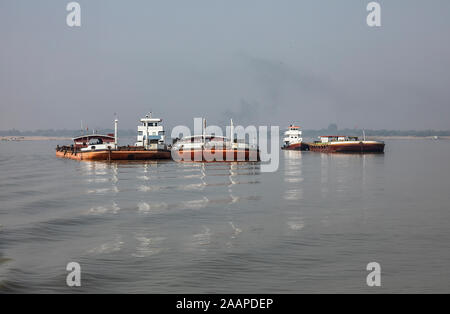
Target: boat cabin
93,139
292,135
150,133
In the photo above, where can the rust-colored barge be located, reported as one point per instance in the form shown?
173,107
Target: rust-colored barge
214,148
346,144
150,145
121,153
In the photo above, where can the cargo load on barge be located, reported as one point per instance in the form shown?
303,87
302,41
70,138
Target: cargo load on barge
150,144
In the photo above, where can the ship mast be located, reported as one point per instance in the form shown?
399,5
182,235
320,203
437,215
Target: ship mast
204,131
231,132
116,131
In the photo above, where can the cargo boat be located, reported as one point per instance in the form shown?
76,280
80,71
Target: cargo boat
212,148
293,139
150,145
346,144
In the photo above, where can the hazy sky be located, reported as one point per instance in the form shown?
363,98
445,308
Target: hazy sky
258,61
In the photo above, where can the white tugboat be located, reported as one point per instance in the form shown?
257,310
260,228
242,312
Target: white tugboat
151,133
293,139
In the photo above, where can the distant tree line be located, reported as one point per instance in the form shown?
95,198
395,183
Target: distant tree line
63,132
331,130
334,130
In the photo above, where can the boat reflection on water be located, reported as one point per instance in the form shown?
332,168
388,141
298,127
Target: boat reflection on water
293,176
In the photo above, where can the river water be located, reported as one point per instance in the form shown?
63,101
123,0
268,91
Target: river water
166,227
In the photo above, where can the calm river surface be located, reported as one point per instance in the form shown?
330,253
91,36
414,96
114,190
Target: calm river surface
167,227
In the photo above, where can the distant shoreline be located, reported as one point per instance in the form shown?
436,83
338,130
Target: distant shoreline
62,138
394,137
33,138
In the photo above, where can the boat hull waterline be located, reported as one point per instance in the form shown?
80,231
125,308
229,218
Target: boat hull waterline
216,155
110,155
297,146
348,147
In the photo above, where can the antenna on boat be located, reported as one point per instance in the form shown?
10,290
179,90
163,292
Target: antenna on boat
364,135
204,130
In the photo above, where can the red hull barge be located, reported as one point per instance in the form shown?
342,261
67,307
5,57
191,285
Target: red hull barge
150,145
346,144
348,148
122,153
214,148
